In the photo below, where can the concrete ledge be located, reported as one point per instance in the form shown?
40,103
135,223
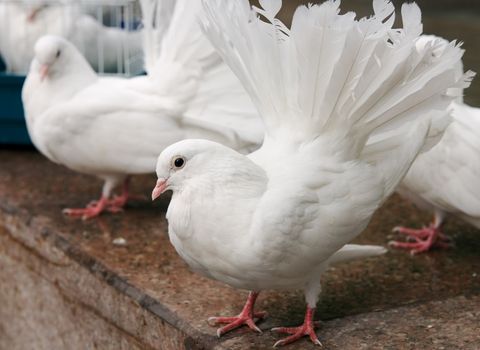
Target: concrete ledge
55,303
65,284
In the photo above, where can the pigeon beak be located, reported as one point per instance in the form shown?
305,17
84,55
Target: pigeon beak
159,188
43,72
31,16
33,13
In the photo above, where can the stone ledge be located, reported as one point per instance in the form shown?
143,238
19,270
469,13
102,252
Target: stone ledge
67,283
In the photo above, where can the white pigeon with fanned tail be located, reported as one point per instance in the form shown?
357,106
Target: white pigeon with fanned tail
115,127
446,179
274,219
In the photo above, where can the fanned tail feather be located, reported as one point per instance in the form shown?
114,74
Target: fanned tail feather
330,75
387,147
435,46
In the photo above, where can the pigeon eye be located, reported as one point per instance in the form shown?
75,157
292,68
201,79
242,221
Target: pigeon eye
58,54
178,162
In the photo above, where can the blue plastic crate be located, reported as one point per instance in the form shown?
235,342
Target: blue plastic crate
13,130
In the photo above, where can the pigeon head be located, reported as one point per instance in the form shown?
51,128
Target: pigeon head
185,161
51,55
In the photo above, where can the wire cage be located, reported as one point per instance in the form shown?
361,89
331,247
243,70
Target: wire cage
106,32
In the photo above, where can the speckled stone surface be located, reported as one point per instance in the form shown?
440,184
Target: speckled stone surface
381,293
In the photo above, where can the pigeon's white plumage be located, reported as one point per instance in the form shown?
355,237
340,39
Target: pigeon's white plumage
274,218
114,127
445,180
19,30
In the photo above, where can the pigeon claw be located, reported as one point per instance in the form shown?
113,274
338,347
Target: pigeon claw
94,209
84,213
246,317
296,333
422,240
118,201
236,322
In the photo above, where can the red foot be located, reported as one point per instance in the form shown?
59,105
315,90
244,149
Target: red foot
121,201
307,329
118,202
92,210
246,317
422,240
95,208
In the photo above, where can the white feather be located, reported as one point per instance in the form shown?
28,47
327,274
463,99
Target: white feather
444,179
350,252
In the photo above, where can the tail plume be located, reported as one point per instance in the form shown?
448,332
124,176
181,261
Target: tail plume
330,75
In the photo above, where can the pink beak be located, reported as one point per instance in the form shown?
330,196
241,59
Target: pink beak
159,188
43,72
31,15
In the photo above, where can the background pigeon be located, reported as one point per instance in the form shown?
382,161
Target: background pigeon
115,127
446,179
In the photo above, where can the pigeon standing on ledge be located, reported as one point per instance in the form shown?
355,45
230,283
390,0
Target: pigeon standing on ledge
446,179
115,127
276,218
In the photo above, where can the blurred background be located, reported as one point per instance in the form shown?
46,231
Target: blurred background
108,33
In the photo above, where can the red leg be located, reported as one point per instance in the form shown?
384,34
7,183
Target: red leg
92,210
246,317
118,202
422,240
412,233
307,329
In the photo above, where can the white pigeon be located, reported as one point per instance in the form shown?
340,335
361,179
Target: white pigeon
274,218
115,127
23,23
446,179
